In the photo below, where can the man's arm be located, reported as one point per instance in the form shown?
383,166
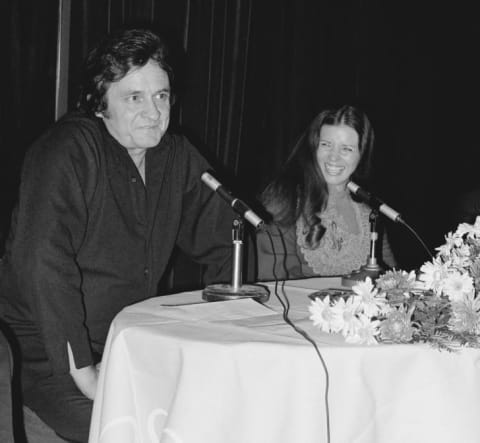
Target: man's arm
49,229
85,378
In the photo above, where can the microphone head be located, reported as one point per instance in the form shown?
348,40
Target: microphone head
353,187
210,181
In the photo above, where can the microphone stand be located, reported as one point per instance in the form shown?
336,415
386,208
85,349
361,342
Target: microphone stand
235,291
372,269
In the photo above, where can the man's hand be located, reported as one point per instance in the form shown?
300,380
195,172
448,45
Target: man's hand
85,378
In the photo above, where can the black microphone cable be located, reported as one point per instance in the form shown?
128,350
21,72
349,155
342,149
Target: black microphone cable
286,308
404,223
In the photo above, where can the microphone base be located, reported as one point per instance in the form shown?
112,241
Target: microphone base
223,292
355,277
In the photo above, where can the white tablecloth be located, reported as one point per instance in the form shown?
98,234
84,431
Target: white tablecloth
235,372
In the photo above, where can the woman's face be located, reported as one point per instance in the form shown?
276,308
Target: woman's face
338,154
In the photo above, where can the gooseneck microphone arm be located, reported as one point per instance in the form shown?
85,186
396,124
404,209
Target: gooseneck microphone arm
238,205
236,290
374,202
386,210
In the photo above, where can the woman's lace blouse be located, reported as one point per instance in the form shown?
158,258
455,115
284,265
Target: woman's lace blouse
339,251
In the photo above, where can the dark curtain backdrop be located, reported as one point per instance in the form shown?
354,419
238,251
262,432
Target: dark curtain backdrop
251,74
28,35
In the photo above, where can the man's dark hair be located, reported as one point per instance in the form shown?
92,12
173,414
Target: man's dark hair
113,58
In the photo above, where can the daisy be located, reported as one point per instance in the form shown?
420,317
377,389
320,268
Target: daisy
321,313
475,272
366,331
470,230
371,303
461,257
451,241
466,315
433,274
457,285
344,315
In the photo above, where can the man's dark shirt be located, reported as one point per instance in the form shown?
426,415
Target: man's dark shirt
89,237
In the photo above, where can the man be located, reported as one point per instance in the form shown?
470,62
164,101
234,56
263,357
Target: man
106,194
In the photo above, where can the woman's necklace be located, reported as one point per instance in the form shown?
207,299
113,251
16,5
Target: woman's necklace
339,220
346,216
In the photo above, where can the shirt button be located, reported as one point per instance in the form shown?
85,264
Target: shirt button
145,271
133,179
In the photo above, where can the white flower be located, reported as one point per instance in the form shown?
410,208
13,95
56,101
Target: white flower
433,275
370,302
321,313
460,258
365,332
455,251
344,315
470,230
412,277
410,312
451,241
476,226
384,307
457,285
466,315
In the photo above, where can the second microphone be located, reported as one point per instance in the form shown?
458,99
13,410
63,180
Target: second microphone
238,205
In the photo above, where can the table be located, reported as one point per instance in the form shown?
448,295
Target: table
177,370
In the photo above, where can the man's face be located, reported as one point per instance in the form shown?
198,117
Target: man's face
138,107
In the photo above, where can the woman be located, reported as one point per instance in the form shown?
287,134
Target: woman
318,229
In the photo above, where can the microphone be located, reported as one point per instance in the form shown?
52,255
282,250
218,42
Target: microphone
375,202
238,205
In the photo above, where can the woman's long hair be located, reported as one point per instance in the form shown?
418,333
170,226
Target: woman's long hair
300,188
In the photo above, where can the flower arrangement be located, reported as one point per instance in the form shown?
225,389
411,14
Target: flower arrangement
439,306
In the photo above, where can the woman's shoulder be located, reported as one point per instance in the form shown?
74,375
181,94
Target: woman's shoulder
279,211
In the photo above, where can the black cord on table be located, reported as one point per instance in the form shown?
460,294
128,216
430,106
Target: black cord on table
286,307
